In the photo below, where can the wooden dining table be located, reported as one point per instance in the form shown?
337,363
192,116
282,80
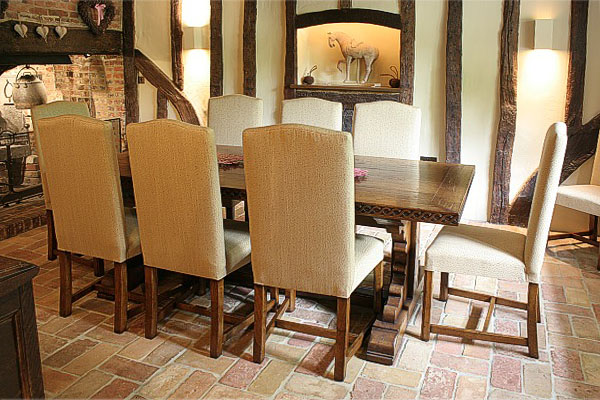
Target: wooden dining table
396,195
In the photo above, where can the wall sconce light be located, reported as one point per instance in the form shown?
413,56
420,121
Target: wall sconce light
196,37
543,34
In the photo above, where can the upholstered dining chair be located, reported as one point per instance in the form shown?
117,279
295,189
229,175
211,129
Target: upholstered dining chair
85,188
499,253
393,130
55,109
300,188
312,111
586,199
387,129
229,115
189,236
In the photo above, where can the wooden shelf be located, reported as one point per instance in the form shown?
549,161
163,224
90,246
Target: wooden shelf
348,88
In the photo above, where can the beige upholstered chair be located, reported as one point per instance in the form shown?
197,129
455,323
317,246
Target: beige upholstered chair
179,212
55,109
499,253
584,198
313,112
85,188
387,129
229,115
300,187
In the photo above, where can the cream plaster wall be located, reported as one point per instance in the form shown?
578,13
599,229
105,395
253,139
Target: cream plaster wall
430,74
233,27
482,23
270,57
153,38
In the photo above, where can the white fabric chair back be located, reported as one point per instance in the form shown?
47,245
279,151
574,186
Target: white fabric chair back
313,112
596,168
300,187
178,198
53,109
229,115
85,186
544,197
387,129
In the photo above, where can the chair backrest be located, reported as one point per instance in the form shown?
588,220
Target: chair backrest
300,188
544,198
53,109
178,198
229,115
596,168
313,112
387,129
85,186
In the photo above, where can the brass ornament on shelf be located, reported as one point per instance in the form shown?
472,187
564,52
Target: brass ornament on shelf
395,77
309,79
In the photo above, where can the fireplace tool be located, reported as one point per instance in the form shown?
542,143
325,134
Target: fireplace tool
14,149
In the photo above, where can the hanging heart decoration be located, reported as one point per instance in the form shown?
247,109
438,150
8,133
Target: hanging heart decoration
21,29
43,32
61,31
96,14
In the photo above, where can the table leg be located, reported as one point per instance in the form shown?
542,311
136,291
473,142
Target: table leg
389,327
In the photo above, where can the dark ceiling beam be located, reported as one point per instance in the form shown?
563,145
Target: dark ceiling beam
454,80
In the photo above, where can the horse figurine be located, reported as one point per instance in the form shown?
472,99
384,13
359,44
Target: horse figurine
353,50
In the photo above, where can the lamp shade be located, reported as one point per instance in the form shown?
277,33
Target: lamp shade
196,37
543,34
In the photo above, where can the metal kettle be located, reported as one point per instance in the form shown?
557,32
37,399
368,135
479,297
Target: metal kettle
28,89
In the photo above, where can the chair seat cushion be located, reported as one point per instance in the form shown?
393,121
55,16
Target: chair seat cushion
237,244
584,198
478,250
132,233
368,252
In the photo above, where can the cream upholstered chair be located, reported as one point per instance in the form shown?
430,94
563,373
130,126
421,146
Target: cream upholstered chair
85,188
313,112
55,109
229,115
387,129
189,236
300,187
498,253
584,198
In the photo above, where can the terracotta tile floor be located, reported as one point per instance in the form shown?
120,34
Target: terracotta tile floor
82,357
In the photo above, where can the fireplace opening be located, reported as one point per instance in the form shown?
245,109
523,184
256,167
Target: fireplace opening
95,80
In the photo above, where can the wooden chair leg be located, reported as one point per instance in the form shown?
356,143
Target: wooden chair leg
274,294
532,311
217,293
65,305
378,288
341,339
98,264
120,297
593,227
151,301
291,294
52,245
426,316
260,323
445,278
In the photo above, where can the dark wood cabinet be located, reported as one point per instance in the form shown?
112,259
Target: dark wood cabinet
20,364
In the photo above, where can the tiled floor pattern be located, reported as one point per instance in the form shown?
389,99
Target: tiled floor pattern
82,358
